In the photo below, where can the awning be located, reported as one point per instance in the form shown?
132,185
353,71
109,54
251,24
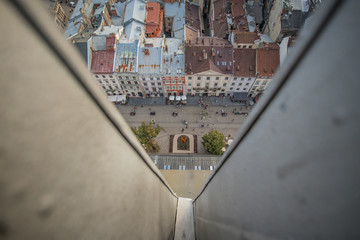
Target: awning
171,98
178,98
183,97
240,96
117,98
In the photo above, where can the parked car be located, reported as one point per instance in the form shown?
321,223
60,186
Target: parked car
152,113
132,113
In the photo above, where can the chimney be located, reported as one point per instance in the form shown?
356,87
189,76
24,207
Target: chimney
213,52
190,67
147,52
194,54
237,68
204,54
175,54
200,59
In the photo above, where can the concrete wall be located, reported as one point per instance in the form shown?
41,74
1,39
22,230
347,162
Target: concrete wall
293,171
70,167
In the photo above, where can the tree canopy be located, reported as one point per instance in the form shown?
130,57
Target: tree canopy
213,142
146,133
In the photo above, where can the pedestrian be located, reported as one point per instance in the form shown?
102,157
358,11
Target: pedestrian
182,130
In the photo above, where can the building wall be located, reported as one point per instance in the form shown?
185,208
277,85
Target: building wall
239,84
109,83
211,83
259,85
130,84
152,85
174,85
273,26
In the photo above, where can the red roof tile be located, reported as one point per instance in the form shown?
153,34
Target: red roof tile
102,62
244,62
268,60
154,20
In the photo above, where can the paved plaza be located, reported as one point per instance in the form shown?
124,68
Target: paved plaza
195,115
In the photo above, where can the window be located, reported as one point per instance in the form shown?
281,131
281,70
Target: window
151,78
217,63
167,82
158,79
136,83
127,77
146,89
180,87
174,87
122,82
113,81
199,78
249,79
143,79
223,90
233,84
261,87
198,84
223,63
207,78
244,89
111,76
159,84
134,78
103,76
152,84
107,81
227,78
257,82
264,83
230,63
215,84
254,88
190,78
99,81
179,82
235,78
145,84
240,84
237,89
120,77
173,82
224,85
231,88
189,84
189,90
217,78
206,84
128,82
168,87
96,76
247,84
242,79
160,89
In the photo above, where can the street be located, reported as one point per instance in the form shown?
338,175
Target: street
194,115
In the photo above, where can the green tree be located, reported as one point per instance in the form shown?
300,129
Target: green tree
213,142
146,134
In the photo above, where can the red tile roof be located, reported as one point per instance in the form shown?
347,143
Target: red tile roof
102,62
245,37
268,60
154,20
203,58
244,62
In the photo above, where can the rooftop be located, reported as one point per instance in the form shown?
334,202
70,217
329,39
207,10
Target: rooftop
149,60
204,58
241,37
191,34
177,11
192,16
173,58
135,10
268,60
126,57
220,24
154,20
244,62
102,62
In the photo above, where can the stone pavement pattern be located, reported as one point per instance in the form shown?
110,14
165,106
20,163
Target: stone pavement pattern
228,125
